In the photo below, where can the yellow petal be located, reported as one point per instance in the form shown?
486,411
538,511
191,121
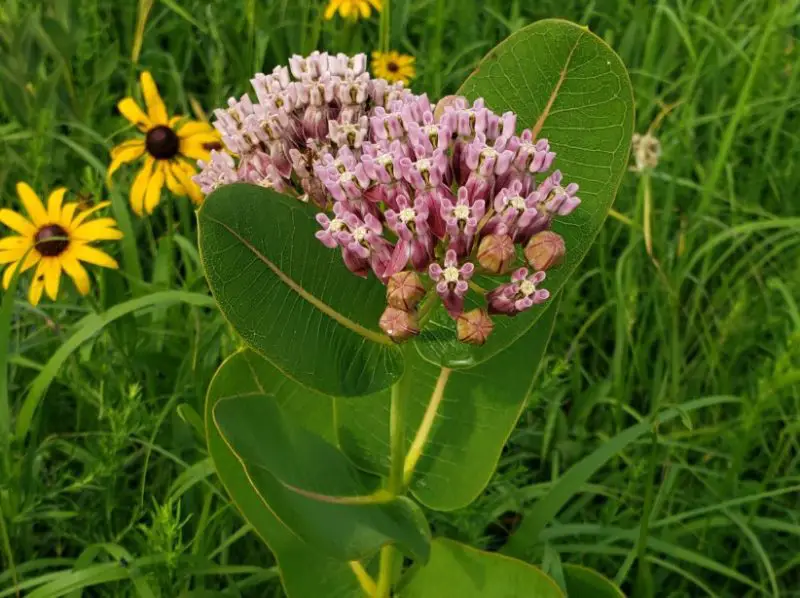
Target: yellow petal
67,212
174,121
90,255
17,222
122,154
173,184
184,173
76,272
37,285
33,205
8,256
139,187
199,146
155,105
194,127
333,5
378,4
97,230
52,275
54,204
30,262
364,8
86,213
134,114
154,187
14,243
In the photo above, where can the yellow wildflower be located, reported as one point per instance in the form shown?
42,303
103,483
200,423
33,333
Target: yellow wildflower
56,238
352,9
170,146
393,66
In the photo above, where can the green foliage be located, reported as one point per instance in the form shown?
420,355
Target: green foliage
478,412
459,570
568,87
296,306
289,297
677,299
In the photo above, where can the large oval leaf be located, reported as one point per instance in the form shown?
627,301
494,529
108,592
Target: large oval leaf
570,87
291,298
309,484
479,410
459,570
305,571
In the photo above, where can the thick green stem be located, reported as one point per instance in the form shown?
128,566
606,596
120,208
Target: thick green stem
385,572
394,485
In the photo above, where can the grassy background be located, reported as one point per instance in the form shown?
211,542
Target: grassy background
110,487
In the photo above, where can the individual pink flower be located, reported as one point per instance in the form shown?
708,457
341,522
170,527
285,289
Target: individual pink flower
518,295
461,220
452,282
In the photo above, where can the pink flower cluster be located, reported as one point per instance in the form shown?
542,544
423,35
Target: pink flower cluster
405,187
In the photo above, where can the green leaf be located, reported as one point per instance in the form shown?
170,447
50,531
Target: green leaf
587,583
291,298
459,570
305,571
310,485
568,86
479,410
569,484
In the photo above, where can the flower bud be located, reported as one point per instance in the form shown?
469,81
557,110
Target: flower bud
474,326
496,253
441,105
545,250
404,290
399,325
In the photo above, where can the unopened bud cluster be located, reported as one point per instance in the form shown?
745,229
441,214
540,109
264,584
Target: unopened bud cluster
425,196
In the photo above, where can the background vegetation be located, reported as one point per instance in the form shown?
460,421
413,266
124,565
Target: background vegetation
691,291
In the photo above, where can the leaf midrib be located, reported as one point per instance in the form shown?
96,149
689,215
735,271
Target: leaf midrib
340,318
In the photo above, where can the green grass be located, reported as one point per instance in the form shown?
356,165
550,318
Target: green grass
107,483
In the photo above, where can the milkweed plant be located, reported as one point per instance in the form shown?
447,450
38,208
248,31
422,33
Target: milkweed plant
393,263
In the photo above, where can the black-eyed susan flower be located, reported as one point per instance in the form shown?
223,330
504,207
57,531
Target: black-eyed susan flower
54,239
393,66
170,147
352,9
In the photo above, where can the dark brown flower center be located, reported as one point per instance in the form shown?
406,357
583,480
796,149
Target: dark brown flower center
162,142
392,67
51,240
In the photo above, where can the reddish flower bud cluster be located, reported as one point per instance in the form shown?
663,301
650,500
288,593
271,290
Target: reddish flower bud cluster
405,187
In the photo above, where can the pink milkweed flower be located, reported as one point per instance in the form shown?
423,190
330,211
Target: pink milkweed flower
557,199
461,220
363,245
415,241
219,170
332,226
518,295
452,282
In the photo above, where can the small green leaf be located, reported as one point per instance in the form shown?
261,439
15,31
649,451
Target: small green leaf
480,408
291,298
586,583
459,570
305,571
568,86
